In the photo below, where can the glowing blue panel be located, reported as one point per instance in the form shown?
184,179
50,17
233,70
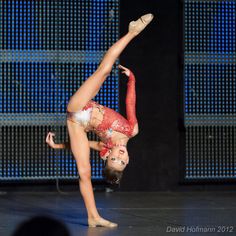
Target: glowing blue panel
48,48
209,88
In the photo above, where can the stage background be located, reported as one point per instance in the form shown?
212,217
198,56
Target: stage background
48,48
162,157
154,57
185,68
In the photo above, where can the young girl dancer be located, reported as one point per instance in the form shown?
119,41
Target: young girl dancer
114,130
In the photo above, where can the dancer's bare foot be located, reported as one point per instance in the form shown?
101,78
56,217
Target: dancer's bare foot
101,222
137,26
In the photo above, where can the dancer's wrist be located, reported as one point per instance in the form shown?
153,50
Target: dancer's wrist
57,146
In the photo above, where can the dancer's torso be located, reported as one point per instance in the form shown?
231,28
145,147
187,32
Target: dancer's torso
108,124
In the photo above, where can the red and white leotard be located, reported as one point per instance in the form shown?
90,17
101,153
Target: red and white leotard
111,120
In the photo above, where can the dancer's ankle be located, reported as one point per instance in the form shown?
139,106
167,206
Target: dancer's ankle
132,34
94,217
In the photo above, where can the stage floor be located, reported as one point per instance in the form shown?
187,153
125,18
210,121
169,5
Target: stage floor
137,213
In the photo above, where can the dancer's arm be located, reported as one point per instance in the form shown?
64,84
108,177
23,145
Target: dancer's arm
49,140
65,145
95,145
131,100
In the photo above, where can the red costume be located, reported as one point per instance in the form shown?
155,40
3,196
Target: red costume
112,120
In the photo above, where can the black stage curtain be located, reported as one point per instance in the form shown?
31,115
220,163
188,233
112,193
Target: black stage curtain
155,57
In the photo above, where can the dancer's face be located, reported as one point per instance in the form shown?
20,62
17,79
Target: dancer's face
118,158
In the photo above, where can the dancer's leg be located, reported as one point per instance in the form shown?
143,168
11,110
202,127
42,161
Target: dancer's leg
81,152
91,86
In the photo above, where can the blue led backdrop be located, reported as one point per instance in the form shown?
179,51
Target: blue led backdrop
48,48
209,89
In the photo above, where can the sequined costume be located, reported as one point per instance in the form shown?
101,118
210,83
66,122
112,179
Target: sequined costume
83,116
112,120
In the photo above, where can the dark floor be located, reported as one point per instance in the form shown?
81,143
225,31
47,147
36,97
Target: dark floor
137,213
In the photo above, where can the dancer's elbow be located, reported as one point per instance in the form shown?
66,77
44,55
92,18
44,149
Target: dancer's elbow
135,130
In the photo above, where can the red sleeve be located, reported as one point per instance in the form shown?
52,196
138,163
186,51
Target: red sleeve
131,101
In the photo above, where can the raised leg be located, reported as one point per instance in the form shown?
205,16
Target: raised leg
91,86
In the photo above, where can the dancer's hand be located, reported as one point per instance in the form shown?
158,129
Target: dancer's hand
49,140
124,70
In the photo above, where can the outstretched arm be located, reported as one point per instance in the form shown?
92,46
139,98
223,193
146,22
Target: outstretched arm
49,140
131,100
95,145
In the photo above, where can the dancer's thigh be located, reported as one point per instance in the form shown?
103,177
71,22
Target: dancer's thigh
79,147
87,91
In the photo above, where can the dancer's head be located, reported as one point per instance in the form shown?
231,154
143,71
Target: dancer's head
117,160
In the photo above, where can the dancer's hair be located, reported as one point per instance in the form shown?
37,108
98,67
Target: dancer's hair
111,175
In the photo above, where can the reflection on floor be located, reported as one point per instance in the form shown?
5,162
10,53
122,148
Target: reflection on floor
137,213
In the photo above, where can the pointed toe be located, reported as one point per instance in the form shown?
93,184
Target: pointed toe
139,25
